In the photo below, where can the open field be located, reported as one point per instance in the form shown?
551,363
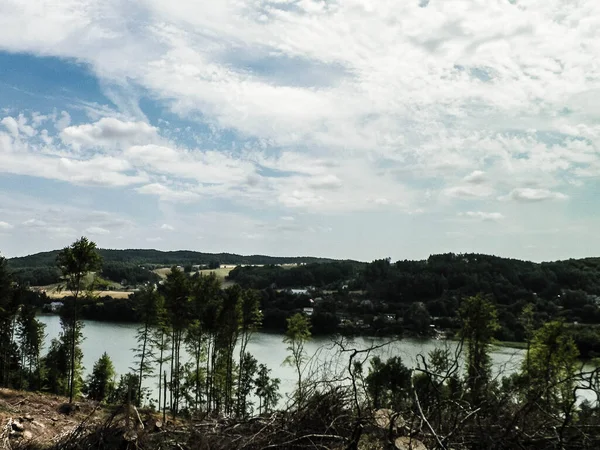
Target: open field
53,291
221,272
113,294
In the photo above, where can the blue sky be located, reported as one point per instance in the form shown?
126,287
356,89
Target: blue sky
351,129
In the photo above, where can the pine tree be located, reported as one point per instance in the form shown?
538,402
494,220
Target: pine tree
296,335
148,304
479,322
267,389
101,382
76,262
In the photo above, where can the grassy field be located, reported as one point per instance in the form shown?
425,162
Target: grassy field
113,294
221,273
54,291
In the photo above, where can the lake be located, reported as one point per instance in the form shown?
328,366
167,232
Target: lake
118,340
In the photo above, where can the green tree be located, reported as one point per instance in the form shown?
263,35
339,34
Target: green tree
101,382
229,320
30,333
267,389
9,307
177,305
479,322
246,382
251,318
526,320
76,262
296,335
551,366
388,383
205,293
126,390
148,302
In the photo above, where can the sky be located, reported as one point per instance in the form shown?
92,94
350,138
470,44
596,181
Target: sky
354,129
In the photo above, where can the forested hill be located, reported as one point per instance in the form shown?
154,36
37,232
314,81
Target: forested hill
135,264
157,257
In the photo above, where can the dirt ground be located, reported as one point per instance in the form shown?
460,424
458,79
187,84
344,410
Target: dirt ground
41,418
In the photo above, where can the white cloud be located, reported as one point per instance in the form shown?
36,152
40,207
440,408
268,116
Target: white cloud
167,227
534,195
168,194
492,216
34,223
63,121
5,226
475,177
99,231
110,132
26,157
11,125
468,191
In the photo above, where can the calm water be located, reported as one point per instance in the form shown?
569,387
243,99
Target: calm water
118,340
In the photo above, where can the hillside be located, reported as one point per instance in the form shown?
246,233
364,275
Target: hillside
136,265
160,258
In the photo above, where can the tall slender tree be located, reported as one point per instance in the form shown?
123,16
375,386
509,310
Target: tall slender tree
296,335
9,307
177,303
148,303
30,333
251,318
479,322
229,320
205,291
76,263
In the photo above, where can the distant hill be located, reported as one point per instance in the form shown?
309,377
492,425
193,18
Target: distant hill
135,265
160,258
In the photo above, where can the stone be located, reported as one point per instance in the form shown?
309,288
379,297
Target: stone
18,426
408,443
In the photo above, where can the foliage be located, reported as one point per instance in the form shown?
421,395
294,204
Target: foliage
479,322
267,389
296,335
76,262
101,382
388,383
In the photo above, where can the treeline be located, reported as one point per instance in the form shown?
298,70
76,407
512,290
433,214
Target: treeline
321,275
419,294
141,257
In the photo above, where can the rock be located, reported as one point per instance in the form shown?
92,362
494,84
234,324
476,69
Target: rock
15,434
18,426
130,436
408,443
383,418
38,425
27,435
28,418
153,424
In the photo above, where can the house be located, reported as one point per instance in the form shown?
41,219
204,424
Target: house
299,291
55,306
